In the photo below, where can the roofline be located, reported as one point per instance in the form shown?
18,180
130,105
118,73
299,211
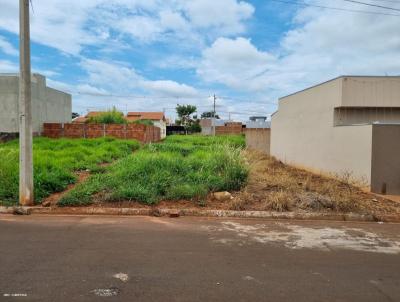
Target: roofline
334,79
16,74
59,91
139,112
273,113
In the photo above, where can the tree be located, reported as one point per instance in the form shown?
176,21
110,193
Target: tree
184,113
209,114
75,115
191,123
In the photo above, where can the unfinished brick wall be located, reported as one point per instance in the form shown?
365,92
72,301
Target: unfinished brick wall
142,133
229,128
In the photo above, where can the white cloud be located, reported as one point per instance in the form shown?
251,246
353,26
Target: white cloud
59,24
118,78
226,15
322,45
236,63
169,88
8,67
71,25
7,47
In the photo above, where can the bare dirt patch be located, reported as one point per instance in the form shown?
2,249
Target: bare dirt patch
55,197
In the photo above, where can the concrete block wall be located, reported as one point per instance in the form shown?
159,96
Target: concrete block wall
258,139
48,105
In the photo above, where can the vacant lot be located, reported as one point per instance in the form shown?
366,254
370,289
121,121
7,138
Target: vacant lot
182,167
56,163
180,172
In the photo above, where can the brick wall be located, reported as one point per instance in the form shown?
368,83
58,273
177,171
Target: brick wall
229,128
142,133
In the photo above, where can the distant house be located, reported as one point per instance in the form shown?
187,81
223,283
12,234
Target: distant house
158,119
258,122
48,105
84,119
79,120
258,134
350,124
211,126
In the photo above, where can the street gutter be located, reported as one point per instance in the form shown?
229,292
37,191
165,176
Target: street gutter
160,212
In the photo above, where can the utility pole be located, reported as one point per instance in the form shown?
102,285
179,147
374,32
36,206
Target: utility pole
25,109
213,120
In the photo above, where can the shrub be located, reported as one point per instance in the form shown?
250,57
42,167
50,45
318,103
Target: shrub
144,122
112,116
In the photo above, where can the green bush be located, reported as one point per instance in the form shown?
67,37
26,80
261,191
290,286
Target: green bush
112,116
184,167
55,161
144,122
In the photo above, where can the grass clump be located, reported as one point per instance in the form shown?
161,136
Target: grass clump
144,122
184,167
55,161
112,116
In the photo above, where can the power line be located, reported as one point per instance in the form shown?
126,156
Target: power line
374,5
136,96
244,100
33,11
391,1
336,8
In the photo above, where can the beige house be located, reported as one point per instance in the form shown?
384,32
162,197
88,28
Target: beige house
350,124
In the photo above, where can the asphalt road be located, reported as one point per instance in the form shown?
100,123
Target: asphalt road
196,259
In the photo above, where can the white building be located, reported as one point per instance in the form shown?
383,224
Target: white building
158,119
258,122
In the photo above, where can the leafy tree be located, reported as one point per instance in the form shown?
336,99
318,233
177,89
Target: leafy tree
184,113
209,114
191,123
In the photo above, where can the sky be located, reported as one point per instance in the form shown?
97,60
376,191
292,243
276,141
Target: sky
150,55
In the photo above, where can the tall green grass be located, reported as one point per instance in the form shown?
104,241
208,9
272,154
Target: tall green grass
112,116
55,162
183,167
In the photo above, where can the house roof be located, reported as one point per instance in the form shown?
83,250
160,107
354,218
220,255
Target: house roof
336,78
94,113
154,116
79,119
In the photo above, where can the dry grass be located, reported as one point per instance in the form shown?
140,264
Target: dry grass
275,186
280,201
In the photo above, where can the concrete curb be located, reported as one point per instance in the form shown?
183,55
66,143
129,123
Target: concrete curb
197,213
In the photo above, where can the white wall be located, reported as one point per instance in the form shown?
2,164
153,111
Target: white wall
163,126
48,105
